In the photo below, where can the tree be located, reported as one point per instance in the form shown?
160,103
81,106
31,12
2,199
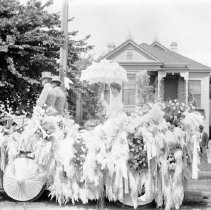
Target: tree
30,41
89,93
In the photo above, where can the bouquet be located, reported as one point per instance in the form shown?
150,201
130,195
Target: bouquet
171,160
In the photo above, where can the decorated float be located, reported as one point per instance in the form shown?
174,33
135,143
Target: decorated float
135,160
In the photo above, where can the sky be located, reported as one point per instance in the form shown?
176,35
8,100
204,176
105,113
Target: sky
187,22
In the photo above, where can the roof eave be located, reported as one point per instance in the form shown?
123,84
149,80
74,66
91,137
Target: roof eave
176,65
141,63
200,70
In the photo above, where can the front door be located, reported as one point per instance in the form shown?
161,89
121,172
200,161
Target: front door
170,87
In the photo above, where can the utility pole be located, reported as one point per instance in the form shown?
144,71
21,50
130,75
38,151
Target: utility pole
63,58
64,47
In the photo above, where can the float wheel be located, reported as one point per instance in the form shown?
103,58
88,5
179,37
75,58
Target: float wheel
22,181
127,202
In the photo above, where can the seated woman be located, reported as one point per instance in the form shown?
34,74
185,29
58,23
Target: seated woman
115,107
116,117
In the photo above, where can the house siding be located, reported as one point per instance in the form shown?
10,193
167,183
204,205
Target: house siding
205,101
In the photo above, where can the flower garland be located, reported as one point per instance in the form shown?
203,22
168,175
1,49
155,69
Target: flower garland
137,154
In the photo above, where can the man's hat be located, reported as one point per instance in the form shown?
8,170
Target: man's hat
56,79
46,74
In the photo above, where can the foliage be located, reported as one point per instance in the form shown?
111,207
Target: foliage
30,40
91,105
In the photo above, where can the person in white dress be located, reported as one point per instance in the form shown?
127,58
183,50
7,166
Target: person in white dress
115,107
47,96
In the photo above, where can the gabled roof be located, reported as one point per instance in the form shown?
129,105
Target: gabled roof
159,53
130,41
170,58
159,45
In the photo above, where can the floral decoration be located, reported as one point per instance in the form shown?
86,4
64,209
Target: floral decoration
137,155
174,112
171,160
80,152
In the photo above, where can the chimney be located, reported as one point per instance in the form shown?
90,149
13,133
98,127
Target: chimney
111,46
173,46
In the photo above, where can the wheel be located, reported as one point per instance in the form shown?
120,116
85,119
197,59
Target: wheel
127,202
22,181
146,197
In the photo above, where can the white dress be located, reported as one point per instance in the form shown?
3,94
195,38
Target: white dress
115,108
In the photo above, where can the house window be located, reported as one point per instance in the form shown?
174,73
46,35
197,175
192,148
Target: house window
194,93
129,90
129,54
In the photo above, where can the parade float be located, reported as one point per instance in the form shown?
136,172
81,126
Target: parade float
135,160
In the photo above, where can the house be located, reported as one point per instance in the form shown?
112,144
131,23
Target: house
174,76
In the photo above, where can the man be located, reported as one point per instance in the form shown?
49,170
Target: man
60,97
204,140
47,95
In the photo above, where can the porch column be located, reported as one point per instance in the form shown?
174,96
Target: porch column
161,75
185,75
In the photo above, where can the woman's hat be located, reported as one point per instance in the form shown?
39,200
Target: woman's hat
46,74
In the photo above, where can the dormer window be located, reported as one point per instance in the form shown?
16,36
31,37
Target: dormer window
129,54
